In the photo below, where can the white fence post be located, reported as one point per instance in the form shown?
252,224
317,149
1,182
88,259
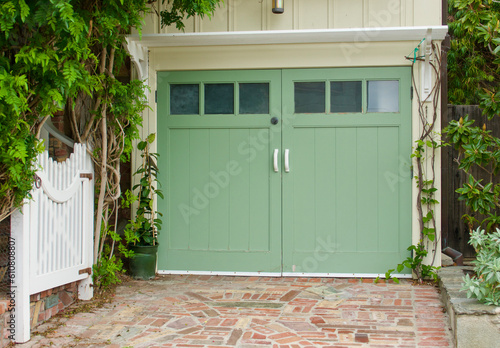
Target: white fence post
20,316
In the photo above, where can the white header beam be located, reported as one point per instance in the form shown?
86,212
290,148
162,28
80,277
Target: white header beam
289,36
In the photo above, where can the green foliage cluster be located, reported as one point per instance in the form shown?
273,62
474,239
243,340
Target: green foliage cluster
143,230
39,42
478,150
473,61
485,285
179,10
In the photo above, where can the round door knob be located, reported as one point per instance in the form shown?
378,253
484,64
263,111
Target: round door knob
274,120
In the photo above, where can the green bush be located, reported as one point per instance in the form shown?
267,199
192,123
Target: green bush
485,284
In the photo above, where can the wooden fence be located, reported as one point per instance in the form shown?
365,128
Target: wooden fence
455,232
53,234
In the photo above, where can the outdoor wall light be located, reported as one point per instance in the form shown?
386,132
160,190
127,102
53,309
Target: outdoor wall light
278,6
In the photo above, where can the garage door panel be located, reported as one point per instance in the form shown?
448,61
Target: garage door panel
218,170
341,208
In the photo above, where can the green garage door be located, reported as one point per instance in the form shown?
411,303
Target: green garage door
292,171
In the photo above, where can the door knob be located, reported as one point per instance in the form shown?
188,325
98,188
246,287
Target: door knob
274,120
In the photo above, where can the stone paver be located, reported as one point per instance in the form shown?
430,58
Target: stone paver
253,312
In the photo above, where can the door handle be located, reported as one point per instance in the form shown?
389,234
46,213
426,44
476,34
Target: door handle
287,161
275,160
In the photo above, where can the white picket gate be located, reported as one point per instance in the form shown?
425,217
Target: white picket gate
53,233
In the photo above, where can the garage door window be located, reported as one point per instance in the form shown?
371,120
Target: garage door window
346,96
254,98
219,98
309,97
184,99
383,96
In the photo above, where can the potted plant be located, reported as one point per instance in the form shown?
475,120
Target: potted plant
141,233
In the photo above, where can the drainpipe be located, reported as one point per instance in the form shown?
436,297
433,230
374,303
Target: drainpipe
457,256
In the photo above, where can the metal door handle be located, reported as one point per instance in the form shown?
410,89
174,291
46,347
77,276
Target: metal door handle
287,161
275,160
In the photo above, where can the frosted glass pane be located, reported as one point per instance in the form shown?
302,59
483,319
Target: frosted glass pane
346,96
383,96
309,97
254,98
219,98
184,99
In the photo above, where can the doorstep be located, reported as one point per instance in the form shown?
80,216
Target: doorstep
473,324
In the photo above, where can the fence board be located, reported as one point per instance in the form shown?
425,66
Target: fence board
455,231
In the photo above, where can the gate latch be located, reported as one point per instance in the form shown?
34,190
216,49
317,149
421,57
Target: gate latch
85,270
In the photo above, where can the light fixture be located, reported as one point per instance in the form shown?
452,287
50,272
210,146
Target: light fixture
278,6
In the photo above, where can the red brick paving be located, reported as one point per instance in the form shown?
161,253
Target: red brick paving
196,311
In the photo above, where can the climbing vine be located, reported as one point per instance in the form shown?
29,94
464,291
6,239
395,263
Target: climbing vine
423,253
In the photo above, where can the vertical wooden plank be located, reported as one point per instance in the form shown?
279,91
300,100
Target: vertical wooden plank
367,189
216,189
348,14
198,153
247,15
313,14
389,188
180,217
85,288
304,208
219,21
239,210
324,172
446,182
345,179
260,169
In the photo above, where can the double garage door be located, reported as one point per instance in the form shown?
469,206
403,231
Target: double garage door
295,171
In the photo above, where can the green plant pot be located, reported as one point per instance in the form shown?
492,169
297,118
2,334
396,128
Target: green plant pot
143,264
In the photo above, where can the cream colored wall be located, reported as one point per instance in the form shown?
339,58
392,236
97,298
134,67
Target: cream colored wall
255,15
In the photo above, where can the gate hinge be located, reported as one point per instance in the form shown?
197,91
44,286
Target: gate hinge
86,175
85,270
156,96
411,92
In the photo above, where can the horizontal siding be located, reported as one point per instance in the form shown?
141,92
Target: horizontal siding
255,15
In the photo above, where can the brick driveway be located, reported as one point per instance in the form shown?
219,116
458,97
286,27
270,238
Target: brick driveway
212,311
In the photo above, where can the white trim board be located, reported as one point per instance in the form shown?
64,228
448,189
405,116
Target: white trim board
285,274
272,37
